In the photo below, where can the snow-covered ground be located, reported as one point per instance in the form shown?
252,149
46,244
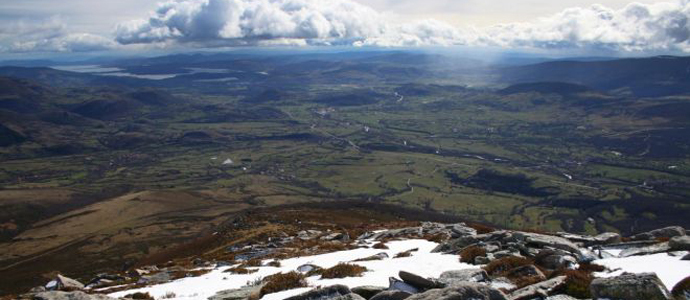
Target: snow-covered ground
422,262
670,269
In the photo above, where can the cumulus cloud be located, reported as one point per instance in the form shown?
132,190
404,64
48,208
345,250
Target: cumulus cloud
637,27
50,35
247,22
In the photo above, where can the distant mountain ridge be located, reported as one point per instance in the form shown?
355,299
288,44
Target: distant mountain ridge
643,77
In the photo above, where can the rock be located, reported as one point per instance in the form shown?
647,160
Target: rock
474,291
335,292
367,291
587,241
653,249
503,284
543,240
482,260
667,232
306,268
460,230
308,234
64,283
552,259
506,253
391,295
455,245
155,278
75,295
630,287
236,294
541,289
399,285
343,237
465,275
608,238
37,289
679,243
686,257
526,271
418,281
378,256
560,297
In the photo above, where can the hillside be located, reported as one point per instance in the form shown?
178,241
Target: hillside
293,253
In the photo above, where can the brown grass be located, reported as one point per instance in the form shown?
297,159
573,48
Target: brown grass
240,270
521,282
343,270
274,263
504,264
140,296
254,262
589,267
481,228
436,238
577,283
468,254
681,288
663,239
282,282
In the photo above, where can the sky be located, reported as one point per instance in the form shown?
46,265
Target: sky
600,26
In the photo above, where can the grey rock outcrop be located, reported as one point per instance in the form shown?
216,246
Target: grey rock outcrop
679,243
391,295
465,275
75,295
538,290
367,291
630,287
462,291
419,282
666,232
335,292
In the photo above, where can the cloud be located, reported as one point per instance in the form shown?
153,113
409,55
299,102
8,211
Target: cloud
49,35
636,27
209,23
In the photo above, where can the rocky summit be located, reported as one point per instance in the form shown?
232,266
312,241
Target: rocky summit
428,261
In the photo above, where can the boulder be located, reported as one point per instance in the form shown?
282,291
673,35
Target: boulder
608,238
455,245
538,290
367,291
482,260
560,297
378,256
553,260
237,294
64,283
667,232
542,240
679,243
474,291
418,281
652,249
460,230
74,295
399,285
391,295
465,275
306,268
587,241
630,287
334,292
